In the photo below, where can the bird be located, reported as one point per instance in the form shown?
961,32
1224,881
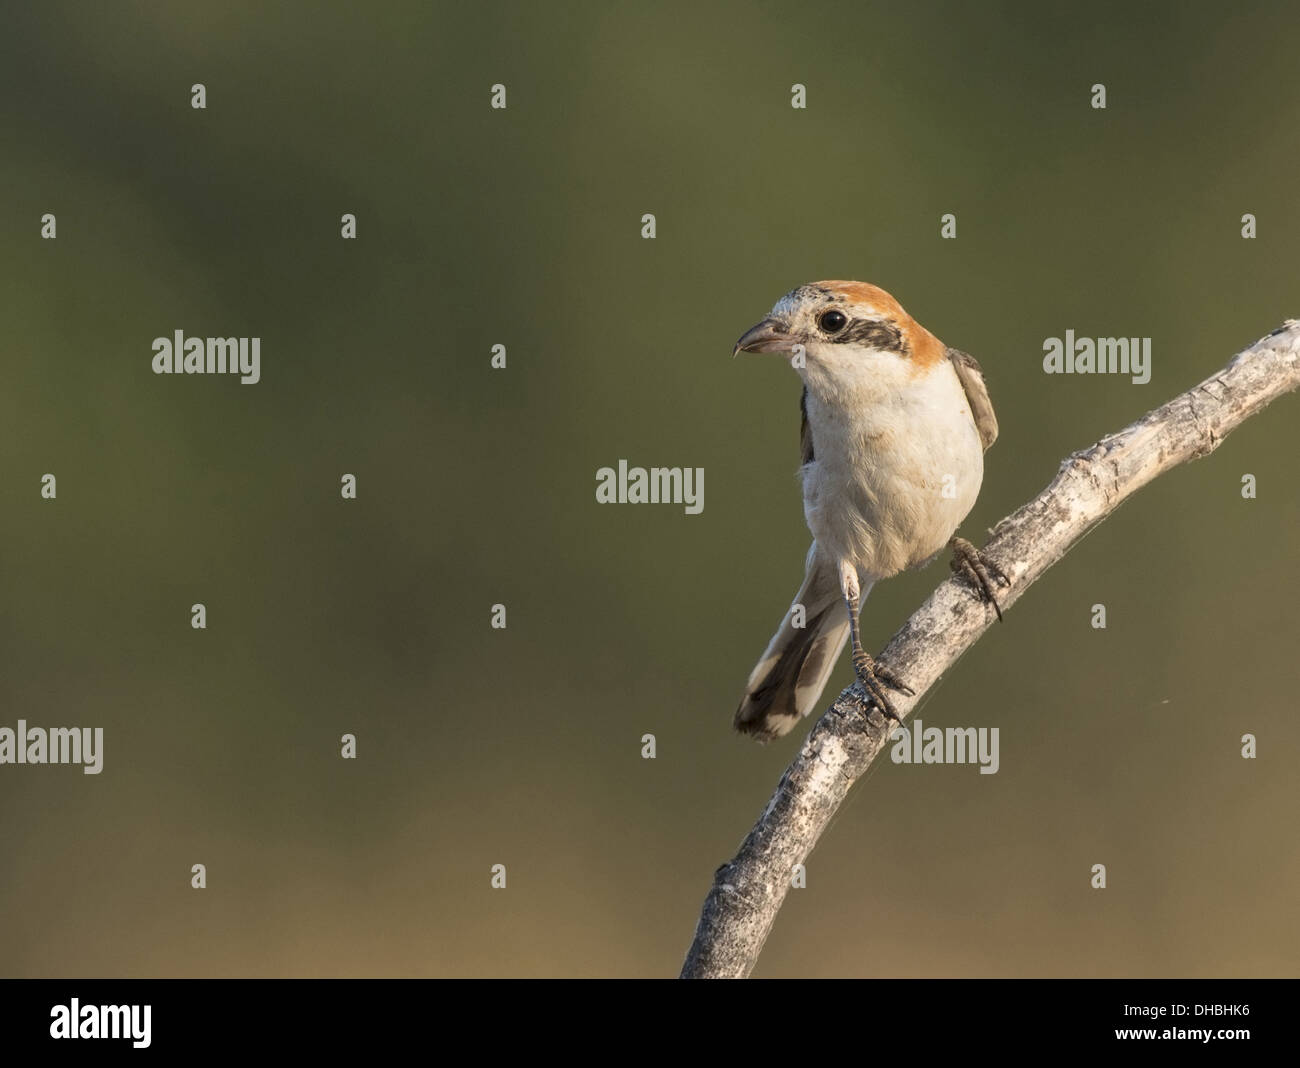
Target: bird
894,426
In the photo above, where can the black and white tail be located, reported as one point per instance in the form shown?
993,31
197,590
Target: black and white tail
788,680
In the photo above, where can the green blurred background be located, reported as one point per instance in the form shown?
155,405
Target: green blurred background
522,227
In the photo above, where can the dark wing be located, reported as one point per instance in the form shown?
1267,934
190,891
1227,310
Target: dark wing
805,431
977,395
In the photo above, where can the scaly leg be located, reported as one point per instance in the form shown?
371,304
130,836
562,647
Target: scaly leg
874,676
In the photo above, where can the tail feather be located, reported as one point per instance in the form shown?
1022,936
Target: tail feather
791,675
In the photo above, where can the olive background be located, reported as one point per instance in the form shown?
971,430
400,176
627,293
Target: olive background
522,227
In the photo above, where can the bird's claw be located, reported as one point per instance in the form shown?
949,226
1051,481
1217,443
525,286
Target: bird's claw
979,571
874,677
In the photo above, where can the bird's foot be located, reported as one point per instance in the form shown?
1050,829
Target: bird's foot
874,678
979,571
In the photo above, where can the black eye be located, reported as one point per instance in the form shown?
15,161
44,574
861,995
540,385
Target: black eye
832,322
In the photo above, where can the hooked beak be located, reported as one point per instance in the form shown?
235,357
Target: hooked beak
771,335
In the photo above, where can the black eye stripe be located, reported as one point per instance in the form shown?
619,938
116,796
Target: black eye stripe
879,335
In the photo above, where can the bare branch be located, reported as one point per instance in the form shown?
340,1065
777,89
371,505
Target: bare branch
747,892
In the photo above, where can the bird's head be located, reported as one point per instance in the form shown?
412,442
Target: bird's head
846,329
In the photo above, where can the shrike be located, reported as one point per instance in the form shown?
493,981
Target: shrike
895,425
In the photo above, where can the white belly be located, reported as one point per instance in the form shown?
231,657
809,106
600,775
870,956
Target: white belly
893,477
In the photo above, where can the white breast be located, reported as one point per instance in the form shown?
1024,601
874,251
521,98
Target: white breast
898,462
